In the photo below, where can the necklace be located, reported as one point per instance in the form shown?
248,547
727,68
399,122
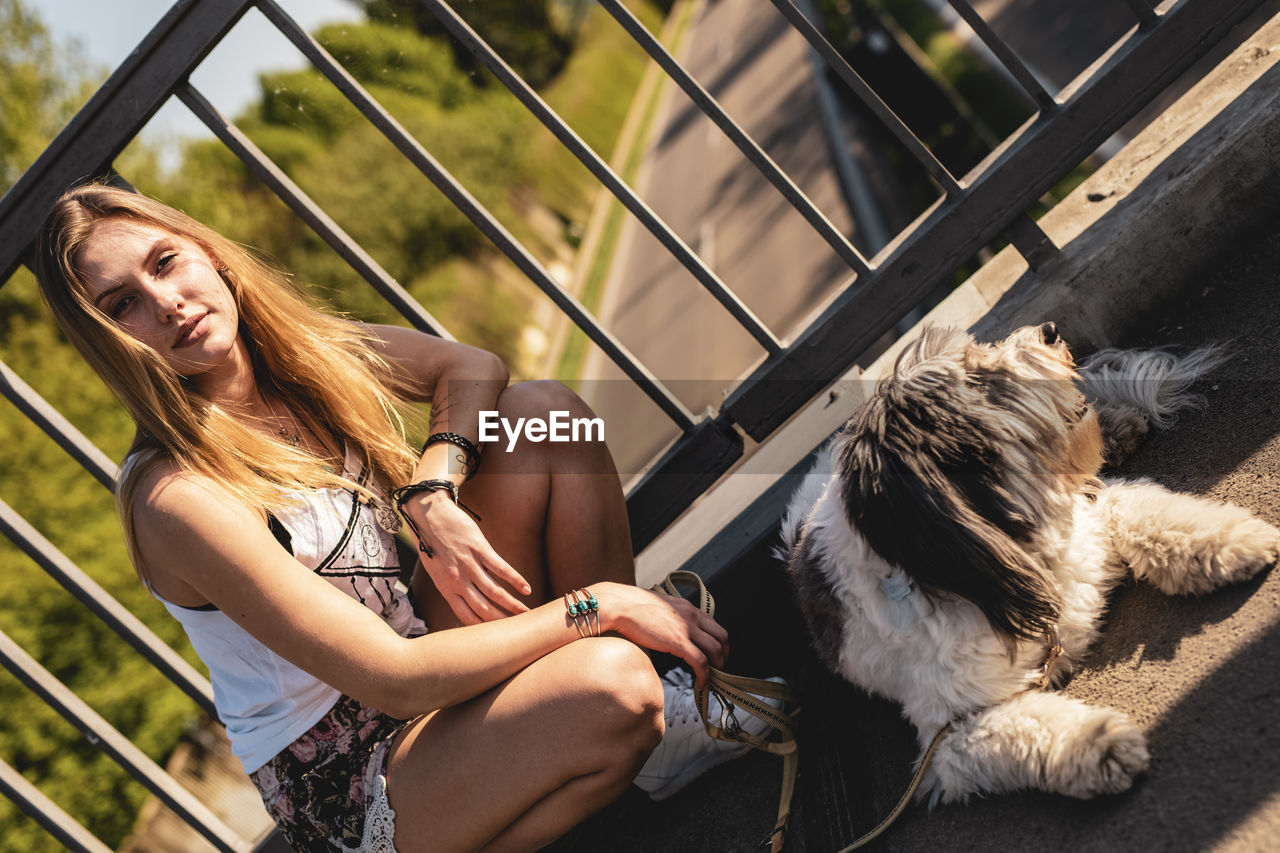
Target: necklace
293,438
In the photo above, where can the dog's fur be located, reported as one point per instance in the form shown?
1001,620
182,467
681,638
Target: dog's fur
958,517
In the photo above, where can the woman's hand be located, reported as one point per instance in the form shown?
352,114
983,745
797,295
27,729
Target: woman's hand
664,624
464,567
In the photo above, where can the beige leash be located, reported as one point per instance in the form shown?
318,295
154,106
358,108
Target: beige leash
739,692
736,691
906,796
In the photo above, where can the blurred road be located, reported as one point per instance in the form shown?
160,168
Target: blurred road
1057,39
757,67
761,71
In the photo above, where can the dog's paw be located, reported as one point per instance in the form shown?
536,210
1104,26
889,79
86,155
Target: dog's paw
1124,428
1187,545
1102,758
1248,548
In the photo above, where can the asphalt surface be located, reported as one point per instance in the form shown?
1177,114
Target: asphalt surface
1201,676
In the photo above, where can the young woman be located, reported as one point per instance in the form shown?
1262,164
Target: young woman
258,502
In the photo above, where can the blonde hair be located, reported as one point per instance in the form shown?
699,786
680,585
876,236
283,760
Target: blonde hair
322,367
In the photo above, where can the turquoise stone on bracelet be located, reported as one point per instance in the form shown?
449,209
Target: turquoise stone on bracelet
573,610
592,604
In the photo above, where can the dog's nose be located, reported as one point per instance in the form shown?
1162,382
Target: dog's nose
1049,333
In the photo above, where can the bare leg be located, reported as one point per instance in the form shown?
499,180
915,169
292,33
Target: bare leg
554,511
1043,741
1182,543
518,766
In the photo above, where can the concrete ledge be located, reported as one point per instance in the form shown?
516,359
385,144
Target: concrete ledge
1154,217
1137,232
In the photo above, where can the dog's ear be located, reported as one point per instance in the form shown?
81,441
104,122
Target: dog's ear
922,483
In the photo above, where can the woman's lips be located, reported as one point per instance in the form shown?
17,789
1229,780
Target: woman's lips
191,330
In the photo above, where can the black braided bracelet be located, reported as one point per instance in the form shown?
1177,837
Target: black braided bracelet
471,464
404,493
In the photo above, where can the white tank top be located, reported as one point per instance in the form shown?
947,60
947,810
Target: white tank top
265,701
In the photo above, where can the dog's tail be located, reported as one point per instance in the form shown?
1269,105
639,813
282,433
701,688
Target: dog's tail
1156,382
1133,390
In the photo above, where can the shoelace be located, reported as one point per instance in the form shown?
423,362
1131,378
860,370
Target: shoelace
683,705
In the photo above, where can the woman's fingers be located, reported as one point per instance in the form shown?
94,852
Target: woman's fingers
466,615
715,650
705,642
473,605
500,601
489,598
469,572
503,571
714,628
492,569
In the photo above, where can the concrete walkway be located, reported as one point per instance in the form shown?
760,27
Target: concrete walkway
1201,676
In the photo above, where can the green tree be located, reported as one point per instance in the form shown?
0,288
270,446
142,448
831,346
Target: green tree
528,34
40,87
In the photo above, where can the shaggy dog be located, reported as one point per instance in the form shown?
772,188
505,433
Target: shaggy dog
956,533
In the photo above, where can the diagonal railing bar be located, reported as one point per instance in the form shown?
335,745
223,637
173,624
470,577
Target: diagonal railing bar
669,239
121,750
1143,9
1015,66
748,146
44,811
413,151
112,613
867,95
1027,165
53,424
311,213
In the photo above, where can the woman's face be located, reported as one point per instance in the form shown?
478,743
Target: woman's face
164,291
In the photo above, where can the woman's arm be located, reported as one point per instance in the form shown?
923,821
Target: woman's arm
192,534
459,382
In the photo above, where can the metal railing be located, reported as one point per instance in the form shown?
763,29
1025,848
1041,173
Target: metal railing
992,199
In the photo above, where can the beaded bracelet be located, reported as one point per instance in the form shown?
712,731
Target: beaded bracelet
470,462
583,608
572,608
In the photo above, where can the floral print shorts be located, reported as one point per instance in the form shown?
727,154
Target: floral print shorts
327,790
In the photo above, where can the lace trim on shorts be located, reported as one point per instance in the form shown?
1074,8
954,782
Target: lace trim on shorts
380,818
379,821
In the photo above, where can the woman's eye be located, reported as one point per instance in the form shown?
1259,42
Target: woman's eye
118,306
164,261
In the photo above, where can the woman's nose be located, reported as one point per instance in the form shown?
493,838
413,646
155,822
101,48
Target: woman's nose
168,302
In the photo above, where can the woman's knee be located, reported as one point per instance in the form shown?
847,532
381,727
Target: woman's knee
620,682
538,398
543,425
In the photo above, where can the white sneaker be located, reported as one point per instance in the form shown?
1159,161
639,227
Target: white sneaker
686,750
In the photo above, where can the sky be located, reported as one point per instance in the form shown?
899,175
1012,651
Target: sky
106,31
